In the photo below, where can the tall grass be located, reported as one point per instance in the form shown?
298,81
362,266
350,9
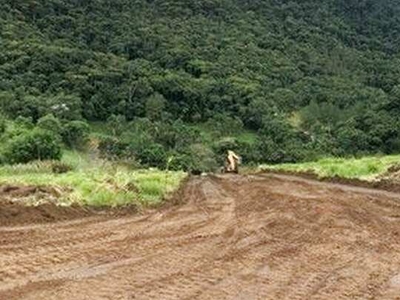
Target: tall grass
96,182
366,168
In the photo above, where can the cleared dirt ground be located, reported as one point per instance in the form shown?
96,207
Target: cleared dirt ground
233,237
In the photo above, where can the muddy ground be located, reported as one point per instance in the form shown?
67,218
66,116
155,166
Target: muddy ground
232,237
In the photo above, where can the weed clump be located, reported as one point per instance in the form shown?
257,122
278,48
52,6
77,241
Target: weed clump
60,167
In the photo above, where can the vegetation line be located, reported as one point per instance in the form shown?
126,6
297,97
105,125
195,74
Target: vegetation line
365,168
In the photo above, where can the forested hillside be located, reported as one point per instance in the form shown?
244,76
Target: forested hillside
302,78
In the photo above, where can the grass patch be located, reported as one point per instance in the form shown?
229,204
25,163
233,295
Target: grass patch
209,135
97,183
366,168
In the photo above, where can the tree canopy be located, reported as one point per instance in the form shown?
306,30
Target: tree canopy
307,77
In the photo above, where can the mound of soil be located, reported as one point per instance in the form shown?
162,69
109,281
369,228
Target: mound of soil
13,213
34,204
18,192
38,204
392,174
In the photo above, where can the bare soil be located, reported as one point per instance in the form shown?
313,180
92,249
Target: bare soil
18,205
231,237
38,204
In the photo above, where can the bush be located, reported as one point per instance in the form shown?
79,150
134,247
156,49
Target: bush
291,152
117,124
165,135
64,107
249,153
24,122
147,153
152,155
175,135
34,145
50,123
185,135
113,149
179,162
60,167
270,151
351,140
225,125
225,144
75,134
222,146
3,125
155,106
202,159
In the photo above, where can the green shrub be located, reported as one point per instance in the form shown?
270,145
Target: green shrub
202,159
25,122
155,106
249,153
270,151
3,125
165,135
75,134
223,145
113,149
185,135
117,124
147,153
152,155
58,167
179,162
223,124
50,123
175,135
351,140
34,145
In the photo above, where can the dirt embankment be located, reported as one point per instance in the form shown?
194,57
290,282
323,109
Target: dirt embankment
32,204
11,213
38,204
390,181
231,237
392,175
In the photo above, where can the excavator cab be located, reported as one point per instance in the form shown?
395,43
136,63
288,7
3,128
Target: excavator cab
232,162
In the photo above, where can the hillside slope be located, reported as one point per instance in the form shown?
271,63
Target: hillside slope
319,77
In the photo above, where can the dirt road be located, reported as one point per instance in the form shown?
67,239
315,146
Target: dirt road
234,237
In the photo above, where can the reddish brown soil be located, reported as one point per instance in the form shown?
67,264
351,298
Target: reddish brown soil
233,237
12,214
16,206
14,211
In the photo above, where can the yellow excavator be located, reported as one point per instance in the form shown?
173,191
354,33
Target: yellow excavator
232,162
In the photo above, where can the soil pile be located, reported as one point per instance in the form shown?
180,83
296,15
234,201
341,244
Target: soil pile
31,195
392,175
34,204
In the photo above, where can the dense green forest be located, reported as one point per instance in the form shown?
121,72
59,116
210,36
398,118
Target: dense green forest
177,82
